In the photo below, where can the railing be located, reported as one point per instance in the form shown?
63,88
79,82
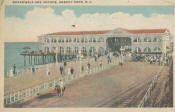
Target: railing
25,94
150,89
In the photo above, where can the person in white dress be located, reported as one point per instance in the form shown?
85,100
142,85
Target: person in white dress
61,87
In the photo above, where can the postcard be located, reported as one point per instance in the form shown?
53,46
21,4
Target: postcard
85,55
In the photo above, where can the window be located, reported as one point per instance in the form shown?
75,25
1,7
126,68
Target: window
68,50
157,49
24,94
137,39
149,39
8,100
159,40
102,39
63,40
12,99
94,40
82,40
155,39
5,101
99,40
90,40
78,40
76,49
55,40
146,39
16,97
75,39
67,40
147,50
83,50
137,50
47,40
70,40
86,40
61,50
50,84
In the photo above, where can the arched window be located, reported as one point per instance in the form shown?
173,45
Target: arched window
68,50
67,40
78,40
101,51
90,39
70,40
102,39
63,40
157,49
147,50
137,50
83,50
147,39
94,40
75,40
159,40
47,49
59,40
137,39
53,49
86,40
61,50
155,39
47,40
99,40
82,39
76,49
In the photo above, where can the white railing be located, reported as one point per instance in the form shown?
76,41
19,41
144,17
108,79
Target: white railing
22,95
150,89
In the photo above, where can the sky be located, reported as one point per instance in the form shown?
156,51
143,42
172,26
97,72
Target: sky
25,23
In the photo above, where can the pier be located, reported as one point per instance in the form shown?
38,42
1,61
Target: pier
39,58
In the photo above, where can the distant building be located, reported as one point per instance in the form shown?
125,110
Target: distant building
141,41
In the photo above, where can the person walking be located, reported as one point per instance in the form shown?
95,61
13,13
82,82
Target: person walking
65,63
101,64
88,66
33,69
61,70
61,87
14,69
72,71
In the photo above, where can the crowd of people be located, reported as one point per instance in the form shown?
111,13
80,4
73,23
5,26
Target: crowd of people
152,59
159,60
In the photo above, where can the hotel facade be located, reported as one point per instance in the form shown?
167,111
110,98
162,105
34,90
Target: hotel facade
140,41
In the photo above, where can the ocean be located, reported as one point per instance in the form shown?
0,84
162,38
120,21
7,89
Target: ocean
12,55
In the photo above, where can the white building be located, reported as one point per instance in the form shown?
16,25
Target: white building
142,41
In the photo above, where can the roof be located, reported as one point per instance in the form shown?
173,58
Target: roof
79,33
145,31
136,31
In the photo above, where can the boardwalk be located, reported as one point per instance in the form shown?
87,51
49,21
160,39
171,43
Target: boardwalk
117,87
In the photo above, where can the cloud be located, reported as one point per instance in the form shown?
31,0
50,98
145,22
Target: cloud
44,20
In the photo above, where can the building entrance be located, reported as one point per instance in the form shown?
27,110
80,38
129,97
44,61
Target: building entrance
114,44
